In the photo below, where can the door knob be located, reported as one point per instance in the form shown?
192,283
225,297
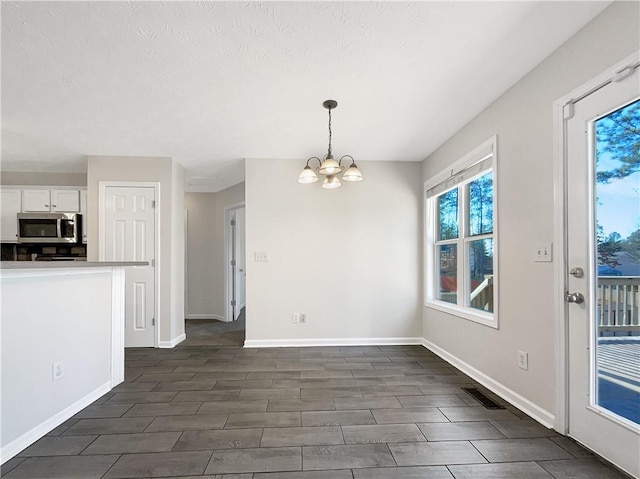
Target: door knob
574,298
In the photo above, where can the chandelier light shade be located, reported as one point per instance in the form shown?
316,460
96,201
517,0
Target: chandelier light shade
328,166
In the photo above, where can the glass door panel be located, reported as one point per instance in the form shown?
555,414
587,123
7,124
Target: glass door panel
616,330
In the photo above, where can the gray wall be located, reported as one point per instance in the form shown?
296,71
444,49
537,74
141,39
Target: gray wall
42,179
205,250
350,258
522,119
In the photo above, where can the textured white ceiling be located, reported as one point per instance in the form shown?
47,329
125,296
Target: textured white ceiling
212,83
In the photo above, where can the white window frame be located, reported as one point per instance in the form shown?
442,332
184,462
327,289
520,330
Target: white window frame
486,150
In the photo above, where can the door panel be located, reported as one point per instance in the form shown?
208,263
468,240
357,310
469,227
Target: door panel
130,236
604,358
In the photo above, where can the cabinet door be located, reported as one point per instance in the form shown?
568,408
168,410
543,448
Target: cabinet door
35,200
11,204
65,201
83,212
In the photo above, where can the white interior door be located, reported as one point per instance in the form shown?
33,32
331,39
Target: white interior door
130,236
603,212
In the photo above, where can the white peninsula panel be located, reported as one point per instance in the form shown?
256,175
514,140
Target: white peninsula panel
62,345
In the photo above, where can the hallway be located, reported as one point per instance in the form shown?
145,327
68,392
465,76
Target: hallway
210,332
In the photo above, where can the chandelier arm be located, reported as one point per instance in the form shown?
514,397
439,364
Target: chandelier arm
315,158
353,162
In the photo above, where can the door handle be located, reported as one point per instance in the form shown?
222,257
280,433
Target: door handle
577,298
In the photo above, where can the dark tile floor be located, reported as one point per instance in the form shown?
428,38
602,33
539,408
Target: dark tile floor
308,413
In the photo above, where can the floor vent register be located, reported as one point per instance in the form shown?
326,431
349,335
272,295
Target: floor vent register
482,399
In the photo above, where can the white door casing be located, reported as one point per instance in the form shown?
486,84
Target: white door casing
240,261
128,221
234,248
614,438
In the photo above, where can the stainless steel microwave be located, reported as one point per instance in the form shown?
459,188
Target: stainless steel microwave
49,227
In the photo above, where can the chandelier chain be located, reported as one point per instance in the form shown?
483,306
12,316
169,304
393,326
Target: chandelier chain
329,131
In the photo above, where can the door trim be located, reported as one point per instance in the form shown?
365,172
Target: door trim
102,189
561,111
228,210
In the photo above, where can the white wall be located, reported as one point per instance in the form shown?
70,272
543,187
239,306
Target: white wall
205,250
522,119
41,322
171,228
349,258
42,179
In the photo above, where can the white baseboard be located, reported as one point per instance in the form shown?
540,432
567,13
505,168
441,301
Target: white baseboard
205,316
21,443
536,412
284,343
173,343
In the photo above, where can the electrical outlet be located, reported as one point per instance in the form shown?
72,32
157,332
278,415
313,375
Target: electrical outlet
544,253
303,318
58,370
260,257
523,360
299,318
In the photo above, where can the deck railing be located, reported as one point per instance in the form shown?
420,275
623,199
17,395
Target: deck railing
618,299
482,296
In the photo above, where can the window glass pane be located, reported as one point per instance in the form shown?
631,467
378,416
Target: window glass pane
481,274
617,222
480,193
448,273
448,215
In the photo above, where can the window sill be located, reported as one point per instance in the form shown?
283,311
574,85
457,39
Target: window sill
470,314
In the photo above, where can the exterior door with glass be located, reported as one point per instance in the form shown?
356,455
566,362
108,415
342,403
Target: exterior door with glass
603,271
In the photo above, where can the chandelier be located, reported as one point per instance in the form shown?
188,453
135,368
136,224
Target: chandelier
328,166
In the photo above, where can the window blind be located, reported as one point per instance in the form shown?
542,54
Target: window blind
461,176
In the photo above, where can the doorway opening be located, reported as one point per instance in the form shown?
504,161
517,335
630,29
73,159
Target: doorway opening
227,329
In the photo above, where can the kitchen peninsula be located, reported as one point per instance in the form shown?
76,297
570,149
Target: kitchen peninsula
62,340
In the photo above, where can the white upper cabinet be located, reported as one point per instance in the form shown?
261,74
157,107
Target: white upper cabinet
65,200
11,203
50,200
36,200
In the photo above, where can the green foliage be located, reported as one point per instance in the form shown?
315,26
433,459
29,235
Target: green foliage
618,135
481,205
448,215
608,248
632,244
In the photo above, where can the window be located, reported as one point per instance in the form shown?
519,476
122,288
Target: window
461,249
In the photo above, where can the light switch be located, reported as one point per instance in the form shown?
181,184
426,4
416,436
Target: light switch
543,253
260,257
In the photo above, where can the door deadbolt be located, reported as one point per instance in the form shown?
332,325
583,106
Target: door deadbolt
577,272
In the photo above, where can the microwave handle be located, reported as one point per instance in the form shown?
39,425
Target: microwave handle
59,227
